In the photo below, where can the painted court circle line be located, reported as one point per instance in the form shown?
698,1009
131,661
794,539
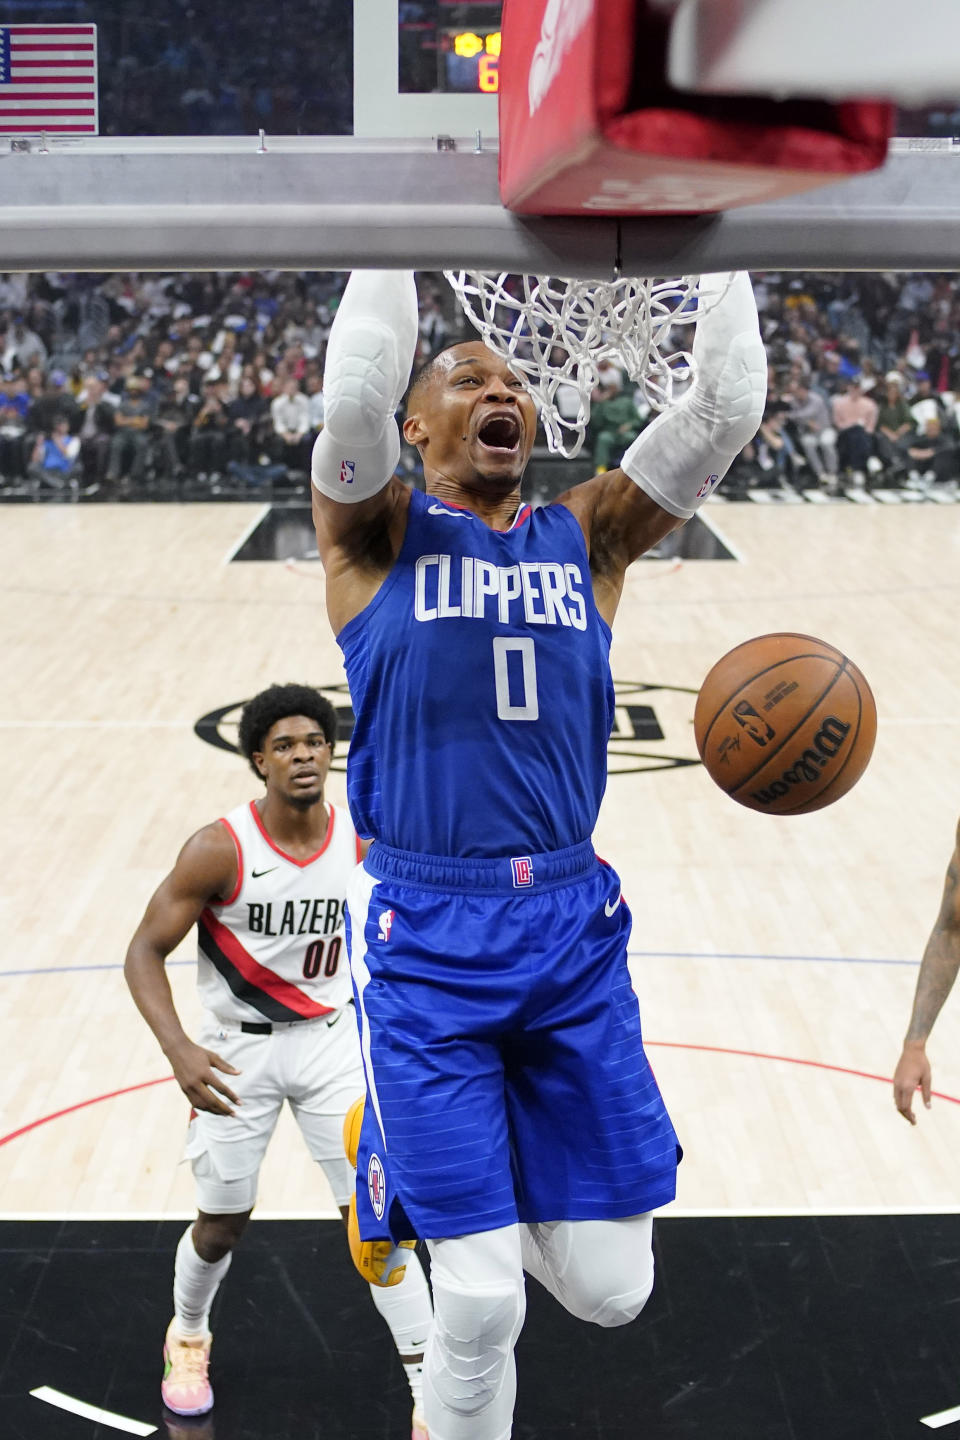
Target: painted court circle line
652,1044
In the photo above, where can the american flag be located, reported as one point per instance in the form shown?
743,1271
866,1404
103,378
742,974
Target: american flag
48,80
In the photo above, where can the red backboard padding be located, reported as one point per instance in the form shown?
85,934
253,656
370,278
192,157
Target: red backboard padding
590,125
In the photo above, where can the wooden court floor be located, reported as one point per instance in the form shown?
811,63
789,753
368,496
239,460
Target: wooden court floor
775,960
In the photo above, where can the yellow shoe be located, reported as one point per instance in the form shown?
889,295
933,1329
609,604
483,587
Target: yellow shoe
351,1130
380,1262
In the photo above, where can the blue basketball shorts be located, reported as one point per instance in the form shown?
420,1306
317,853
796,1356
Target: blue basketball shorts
506,1076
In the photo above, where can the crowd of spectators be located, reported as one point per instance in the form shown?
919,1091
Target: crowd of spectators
863,387
161,386
197,385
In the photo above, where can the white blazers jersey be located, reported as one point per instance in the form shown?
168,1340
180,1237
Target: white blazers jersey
275,949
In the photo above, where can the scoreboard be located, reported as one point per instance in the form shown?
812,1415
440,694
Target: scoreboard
481,54
450,47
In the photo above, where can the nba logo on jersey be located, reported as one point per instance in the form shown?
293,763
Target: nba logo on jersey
377,1185
347,468
386,924
707,486
522,867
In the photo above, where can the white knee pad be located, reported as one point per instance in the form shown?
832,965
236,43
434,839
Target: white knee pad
620,1309
372,344
479,1306
684,454
599,1270
474,1332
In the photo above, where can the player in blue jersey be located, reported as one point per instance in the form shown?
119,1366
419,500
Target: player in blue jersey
511,1120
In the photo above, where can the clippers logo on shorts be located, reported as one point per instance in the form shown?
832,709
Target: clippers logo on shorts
748,719
387,918
347,468
377,1186
707,486
522,867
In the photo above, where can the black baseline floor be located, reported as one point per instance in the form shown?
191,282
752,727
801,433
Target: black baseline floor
810,1328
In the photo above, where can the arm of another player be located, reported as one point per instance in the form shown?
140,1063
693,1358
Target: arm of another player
938,971
206,868
359,510
681,457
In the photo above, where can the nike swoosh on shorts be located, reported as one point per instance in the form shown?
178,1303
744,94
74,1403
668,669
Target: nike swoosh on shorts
610,910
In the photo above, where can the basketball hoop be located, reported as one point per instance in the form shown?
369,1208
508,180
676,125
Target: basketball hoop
555,333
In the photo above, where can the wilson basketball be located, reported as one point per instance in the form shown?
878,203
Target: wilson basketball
785,724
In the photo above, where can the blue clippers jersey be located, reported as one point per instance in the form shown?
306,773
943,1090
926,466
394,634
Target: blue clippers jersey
480,680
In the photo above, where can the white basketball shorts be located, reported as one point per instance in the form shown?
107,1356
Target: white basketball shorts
315,1065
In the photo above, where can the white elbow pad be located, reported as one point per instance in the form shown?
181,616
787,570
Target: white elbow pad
372,344
684,454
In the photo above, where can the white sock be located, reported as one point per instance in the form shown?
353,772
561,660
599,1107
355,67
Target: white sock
195,1283
408,1310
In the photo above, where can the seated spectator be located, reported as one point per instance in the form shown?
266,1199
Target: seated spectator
932,455
17,393
227,364
23,346
775,453
290,417
614,420
208,437
13,431
895,423
248,423
175,417
96,428
130,442
55,459
50,401
926,404
855,419
809,416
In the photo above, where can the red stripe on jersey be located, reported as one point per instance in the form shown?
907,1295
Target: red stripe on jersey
331,815
239,885
359,848
258,975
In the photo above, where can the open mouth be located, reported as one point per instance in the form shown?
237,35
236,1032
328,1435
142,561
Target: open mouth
501,432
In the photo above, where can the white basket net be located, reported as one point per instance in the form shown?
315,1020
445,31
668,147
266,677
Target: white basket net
555,333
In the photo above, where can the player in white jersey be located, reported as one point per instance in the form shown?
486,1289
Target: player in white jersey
265,888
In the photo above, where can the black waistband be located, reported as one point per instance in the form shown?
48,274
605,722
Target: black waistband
258,1027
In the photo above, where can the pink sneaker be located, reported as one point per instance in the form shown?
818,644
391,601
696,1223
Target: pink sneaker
185,1387
419,1431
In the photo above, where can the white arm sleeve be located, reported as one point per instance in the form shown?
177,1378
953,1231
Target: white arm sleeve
685,453
372,344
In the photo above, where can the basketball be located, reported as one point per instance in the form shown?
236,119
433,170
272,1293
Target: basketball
785,724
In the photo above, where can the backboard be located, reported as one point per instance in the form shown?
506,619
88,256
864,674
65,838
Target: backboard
228,184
